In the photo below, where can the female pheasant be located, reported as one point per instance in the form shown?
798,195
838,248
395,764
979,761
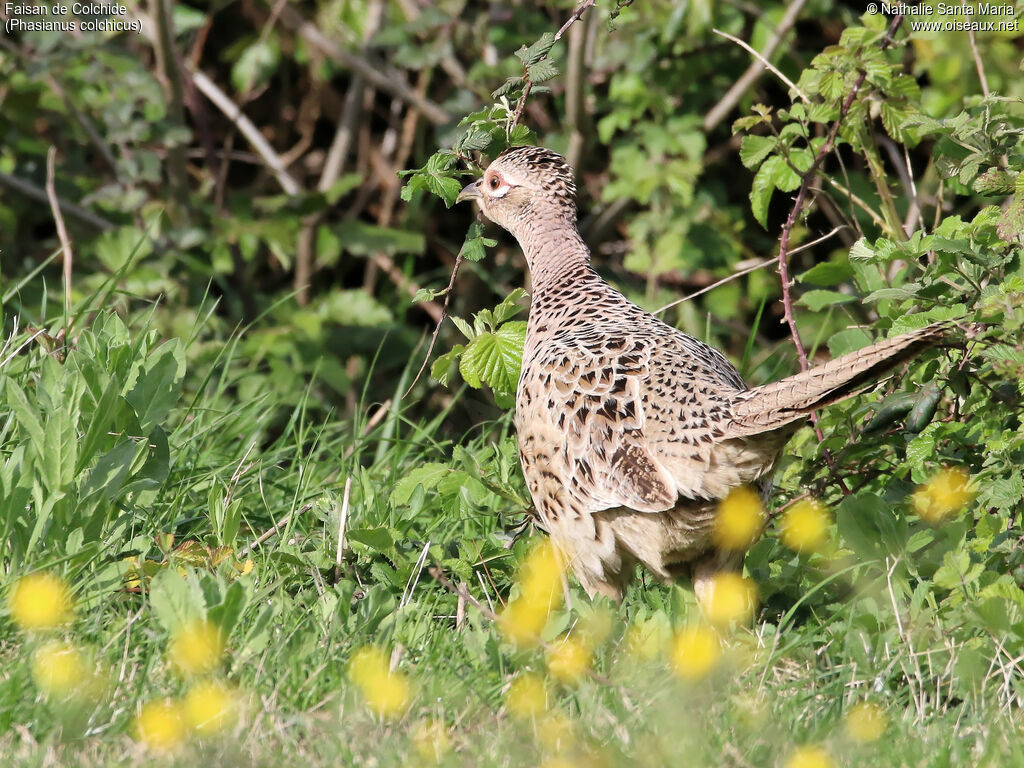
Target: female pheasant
630,431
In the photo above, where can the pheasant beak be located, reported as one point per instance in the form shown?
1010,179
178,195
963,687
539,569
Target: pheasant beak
469,192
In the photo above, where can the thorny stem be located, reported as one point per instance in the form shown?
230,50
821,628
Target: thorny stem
798,205
801,196
521,104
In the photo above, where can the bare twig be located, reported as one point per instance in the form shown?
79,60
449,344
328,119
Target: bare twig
273,530
380,77
440,322
248,129
162,39
765,63
718,112
747,271
31,190
977,63
343,520
62,232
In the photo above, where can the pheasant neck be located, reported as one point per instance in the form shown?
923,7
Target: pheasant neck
554,254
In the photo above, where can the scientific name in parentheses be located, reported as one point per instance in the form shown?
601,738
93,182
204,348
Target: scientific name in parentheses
14,11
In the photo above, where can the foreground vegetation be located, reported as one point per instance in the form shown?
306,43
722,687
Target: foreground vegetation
239,527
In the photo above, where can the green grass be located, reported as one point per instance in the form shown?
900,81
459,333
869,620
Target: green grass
132,438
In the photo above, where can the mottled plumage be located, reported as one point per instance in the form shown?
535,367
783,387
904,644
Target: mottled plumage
631,431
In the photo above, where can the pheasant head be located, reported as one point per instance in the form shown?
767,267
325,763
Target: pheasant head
526,188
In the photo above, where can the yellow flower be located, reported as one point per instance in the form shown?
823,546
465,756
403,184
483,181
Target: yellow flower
59,670
866,722
431,741
804,526
596,624
196,647
211,707
695,651
540,592
387,693
39,601
809,756
555,733
558,762
648,639
730,598
739,520
948,491
160,725
526,697
569,660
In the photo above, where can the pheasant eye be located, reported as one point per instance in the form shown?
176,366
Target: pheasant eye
494,183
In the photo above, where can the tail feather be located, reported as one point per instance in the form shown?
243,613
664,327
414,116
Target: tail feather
776,405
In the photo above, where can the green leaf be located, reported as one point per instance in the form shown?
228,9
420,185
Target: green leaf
542,71
817,300
475,243
827,273
495,358
434,178
849,340
427,475
537,51
754,149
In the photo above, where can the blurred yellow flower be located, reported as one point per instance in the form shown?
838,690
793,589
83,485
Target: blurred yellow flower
809,756
59,669
40,601
948,491
648,639
196,647
596,625
387,693
540,592
866,722
804,526
555,733
739,520
558,762
430,739
569,660
527,696
160,725
211,707
730,598
695,651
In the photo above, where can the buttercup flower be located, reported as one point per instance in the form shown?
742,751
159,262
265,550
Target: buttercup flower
39,601
866,722
196,647
160,725
387,693
211,707
695,651
731,598
59,669
947,492
804,526
569,660
540,592
739,520
527,697
809,756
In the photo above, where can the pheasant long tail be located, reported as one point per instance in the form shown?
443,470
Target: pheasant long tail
775,405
